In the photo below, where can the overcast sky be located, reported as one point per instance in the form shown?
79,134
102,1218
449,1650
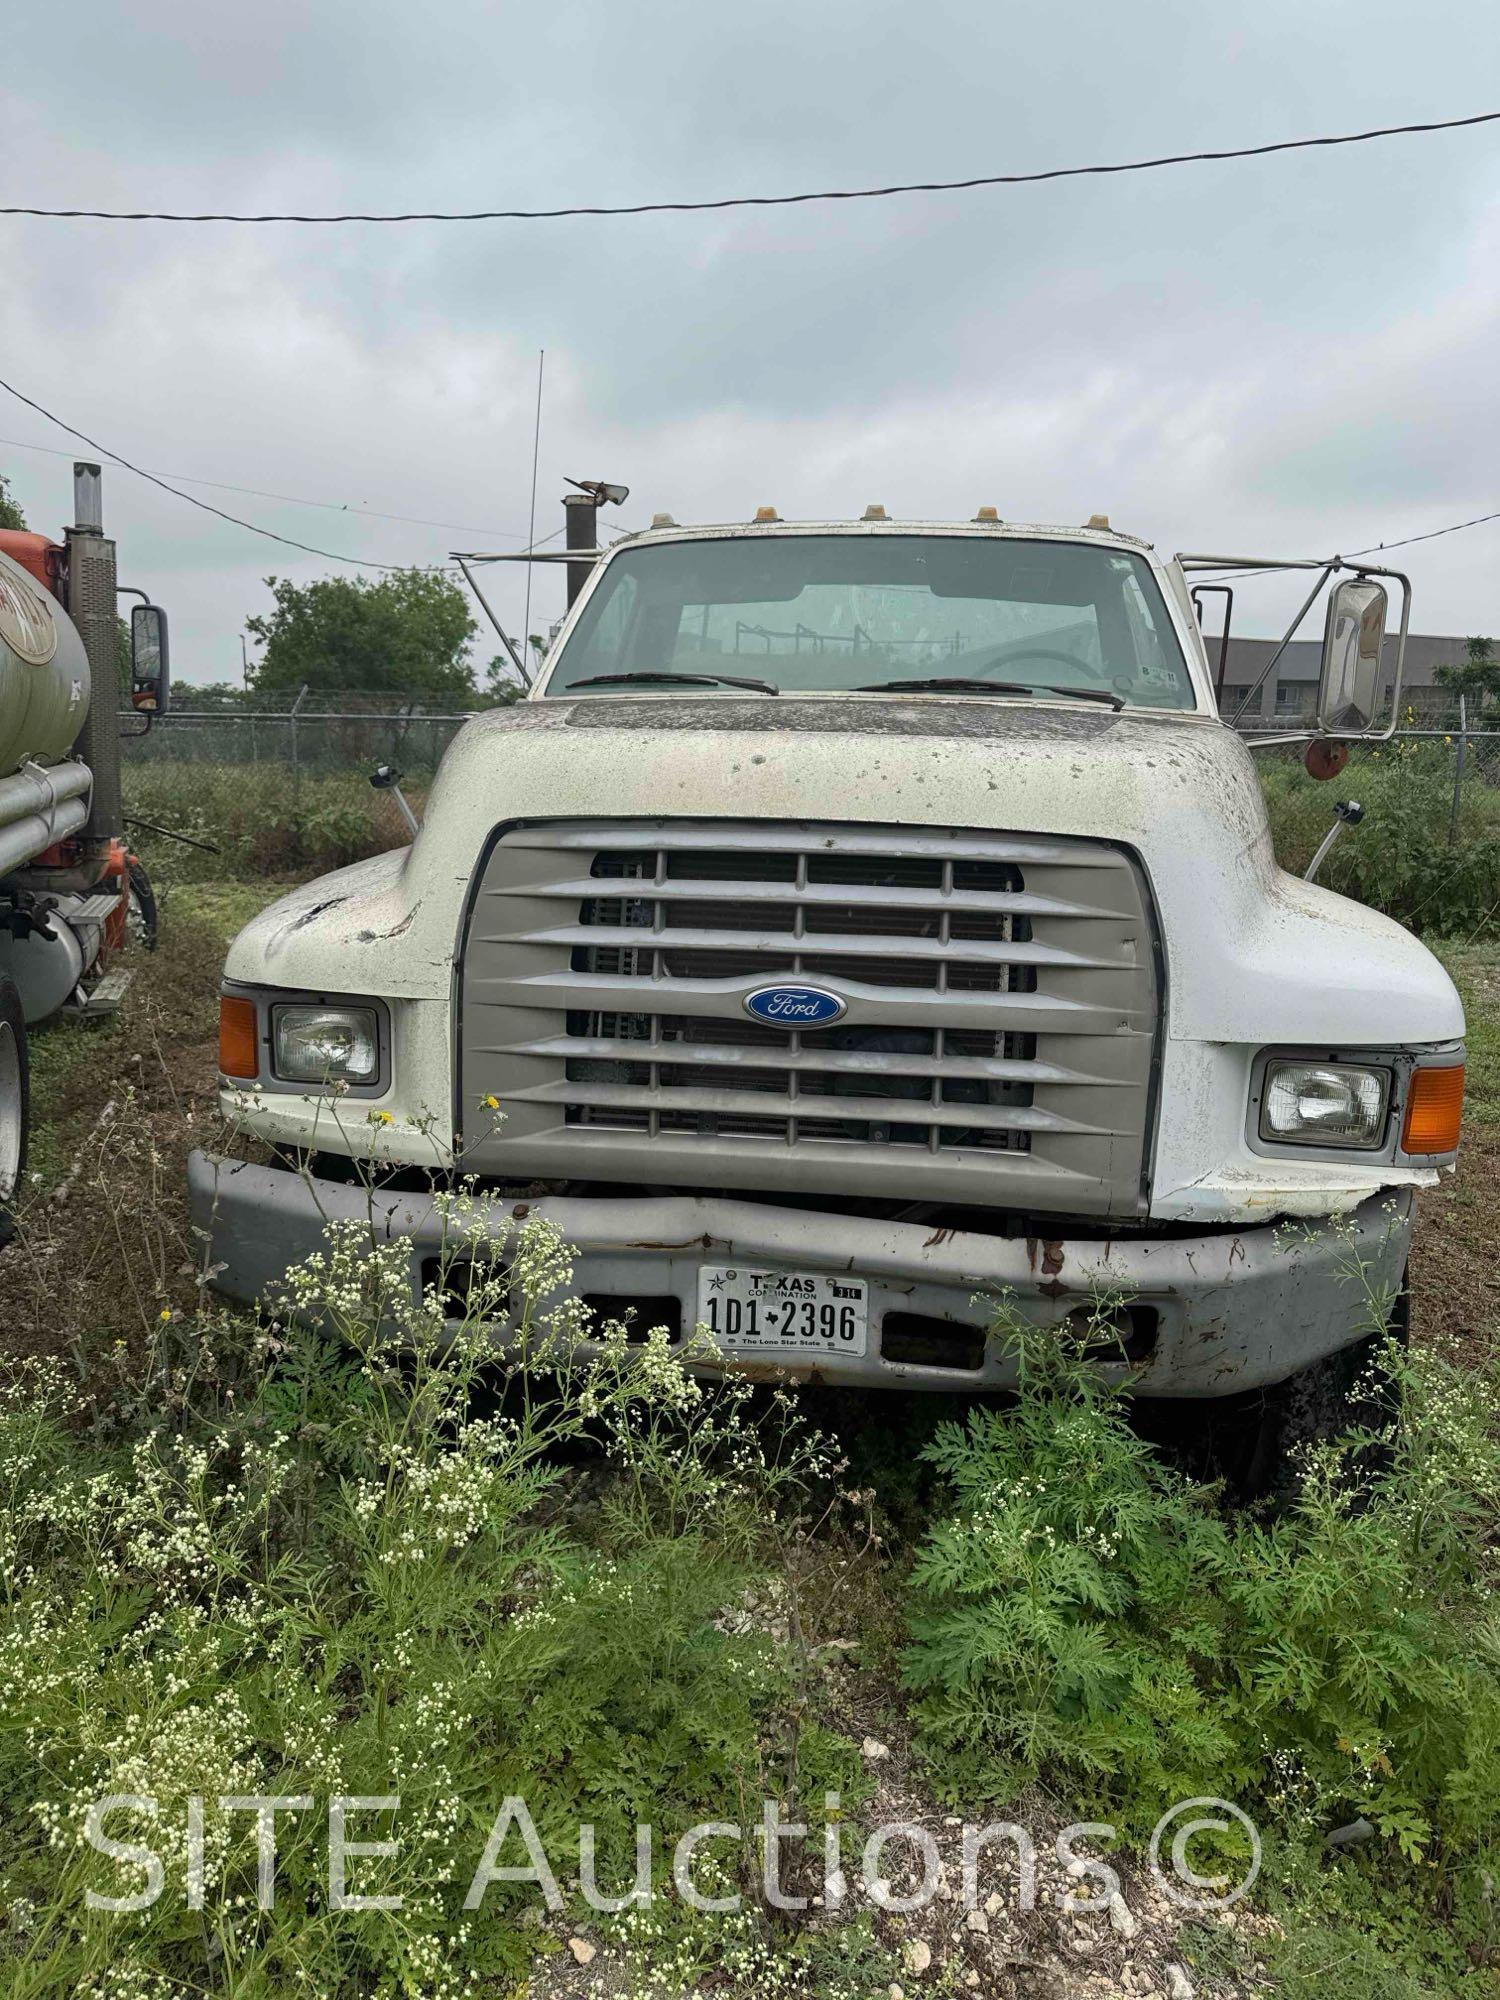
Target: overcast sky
1284,356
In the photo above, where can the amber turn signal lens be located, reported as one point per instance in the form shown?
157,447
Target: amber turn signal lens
238,1053
1434,1110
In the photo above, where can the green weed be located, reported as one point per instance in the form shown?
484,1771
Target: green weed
323,1563
1086,1615
1399,859
257,819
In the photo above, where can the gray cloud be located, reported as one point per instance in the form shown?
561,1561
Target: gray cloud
1289,354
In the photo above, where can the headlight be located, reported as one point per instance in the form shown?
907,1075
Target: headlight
318,1044
1324,1104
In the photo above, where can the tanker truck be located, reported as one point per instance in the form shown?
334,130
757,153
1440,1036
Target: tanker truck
66,876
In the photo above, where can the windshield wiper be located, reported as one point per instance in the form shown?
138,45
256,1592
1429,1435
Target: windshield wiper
956,685
1116,702
684,680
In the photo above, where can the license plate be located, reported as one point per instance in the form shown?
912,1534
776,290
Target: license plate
798,1314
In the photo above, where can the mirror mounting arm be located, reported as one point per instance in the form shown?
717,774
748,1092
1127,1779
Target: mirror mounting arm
1270,667
1327,567
1226,591
515,658
386,778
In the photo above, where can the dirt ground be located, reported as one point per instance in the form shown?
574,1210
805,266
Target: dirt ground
1455,1266
103,1247
1455,1270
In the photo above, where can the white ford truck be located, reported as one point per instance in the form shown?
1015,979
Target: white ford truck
857,921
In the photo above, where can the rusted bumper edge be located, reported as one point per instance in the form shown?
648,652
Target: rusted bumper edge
1233,1310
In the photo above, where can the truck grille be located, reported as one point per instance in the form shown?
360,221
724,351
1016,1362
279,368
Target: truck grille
1001,996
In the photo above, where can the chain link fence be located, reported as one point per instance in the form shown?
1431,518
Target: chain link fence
278,790
1448,751
314,733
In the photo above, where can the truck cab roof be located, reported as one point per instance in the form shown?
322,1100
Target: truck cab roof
766,521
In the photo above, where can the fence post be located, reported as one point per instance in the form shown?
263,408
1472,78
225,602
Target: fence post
1458,769
296,766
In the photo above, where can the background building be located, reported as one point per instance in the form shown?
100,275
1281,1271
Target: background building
1288,691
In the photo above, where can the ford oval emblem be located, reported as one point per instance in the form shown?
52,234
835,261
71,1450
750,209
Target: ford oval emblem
794,1006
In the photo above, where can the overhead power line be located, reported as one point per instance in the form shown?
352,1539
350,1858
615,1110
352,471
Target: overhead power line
234,520
1374,549
287,499
1431,535
776,200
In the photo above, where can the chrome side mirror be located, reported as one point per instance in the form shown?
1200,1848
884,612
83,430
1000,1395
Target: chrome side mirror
1349,675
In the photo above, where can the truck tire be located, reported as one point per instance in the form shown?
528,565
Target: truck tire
1313,1407
15,1104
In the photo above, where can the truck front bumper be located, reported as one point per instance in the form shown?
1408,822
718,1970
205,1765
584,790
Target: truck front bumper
1211,1314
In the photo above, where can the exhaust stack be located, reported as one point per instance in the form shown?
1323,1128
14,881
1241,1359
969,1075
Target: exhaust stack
91,606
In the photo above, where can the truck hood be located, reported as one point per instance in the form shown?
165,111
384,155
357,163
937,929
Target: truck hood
1253,955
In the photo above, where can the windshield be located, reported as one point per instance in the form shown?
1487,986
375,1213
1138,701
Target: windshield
829,612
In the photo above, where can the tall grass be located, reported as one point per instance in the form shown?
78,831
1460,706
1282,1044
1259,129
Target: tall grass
1408,856
258,820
